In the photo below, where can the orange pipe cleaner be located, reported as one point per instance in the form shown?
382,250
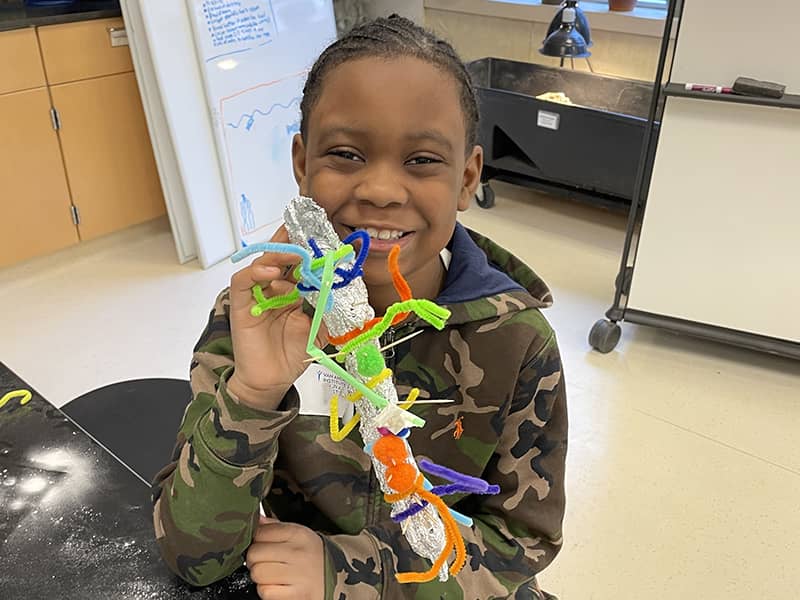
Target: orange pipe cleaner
391,451
403,289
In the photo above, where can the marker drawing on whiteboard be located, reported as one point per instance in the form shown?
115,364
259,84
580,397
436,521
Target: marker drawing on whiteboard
248,218
249,118
218,56
293,128
248,23
272,12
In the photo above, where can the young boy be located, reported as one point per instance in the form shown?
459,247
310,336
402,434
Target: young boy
387,144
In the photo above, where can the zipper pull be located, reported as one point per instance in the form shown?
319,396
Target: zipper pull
386,339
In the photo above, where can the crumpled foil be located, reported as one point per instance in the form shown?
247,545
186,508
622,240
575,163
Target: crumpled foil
305,219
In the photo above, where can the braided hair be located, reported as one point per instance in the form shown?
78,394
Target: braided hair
392,37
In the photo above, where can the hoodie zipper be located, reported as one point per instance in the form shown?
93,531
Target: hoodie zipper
389,355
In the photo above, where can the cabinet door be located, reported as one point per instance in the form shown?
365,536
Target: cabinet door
107,154
35,217
76,51
21,65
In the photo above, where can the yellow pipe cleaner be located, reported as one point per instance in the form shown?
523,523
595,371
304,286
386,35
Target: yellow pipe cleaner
24,396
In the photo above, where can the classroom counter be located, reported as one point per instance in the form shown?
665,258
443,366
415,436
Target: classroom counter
15,15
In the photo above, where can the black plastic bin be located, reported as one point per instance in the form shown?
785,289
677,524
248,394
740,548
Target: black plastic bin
590,150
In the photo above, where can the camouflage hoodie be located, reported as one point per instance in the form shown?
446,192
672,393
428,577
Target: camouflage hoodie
497,358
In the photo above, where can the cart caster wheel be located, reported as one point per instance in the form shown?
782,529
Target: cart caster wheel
604,336
484,196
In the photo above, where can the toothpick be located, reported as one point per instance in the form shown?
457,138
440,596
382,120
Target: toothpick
392,345
429,401
401,340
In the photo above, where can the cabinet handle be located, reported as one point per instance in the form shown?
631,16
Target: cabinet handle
118,36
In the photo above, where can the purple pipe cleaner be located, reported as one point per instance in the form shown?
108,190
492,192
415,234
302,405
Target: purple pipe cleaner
474,484
461,484
409,512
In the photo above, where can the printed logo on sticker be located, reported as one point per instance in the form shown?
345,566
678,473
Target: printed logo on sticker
317,386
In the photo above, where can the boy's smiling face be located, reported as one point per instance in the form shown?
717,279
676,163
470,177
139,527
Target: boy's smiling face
386,152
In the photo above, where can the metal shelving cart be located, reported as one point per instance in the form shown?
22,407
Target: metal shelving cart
770,334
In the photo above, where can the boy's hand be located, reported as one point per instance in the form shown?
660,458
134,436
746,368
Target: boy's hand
286,562
269,350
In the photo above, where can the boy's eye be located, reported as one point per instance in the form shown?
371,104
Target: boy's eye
346,154
423,160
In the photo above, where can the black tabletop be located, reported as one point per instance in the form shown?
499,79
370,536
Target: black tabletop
74,521
16,14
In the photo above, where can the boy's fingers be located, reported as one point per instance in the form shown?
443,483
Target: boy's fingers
275,533
270,270
242,282
269,573
281,235
277,259
276,592
322,336
264,520
260,552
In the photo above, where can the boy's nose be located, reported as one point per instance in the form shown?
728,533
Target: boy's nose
381,186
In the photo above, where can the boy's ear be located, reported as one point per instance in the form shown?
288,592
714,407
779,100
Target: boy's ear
299,163
472,177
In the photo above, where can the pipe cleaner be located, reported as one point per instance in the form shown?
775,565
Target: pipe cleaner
330,277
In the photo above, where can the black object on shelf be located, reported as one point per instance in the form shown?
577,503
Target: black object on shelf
588,151
679,90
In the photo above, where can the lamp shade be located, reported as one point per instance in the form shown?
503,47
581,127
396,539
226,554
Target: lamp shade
566,41
581,22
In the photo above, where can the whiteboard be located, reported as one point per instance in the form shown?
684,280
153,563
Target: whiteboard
720,240
721,40
254,56
192,175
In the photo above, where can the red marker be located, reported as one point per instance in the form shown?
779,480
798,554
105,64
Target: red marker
711,89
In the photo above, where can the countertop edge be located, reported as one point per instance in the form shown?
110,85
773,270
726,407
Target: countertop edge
12,24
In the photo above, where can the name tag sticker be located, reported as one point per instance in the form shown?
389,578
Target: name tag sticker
316,386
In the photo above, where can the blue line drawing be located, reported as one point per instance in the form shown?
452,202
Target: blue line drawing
208,60
293,128
250,118
272,12
248,218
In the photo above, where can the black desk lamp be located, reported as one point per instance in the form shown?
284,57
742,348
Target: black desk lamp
569,35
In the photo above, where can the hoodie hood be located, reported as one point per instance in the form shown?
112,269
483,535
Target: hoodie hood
485,280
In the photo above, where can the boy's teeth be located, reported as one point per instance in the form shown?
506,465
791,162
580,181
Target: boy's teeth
383,234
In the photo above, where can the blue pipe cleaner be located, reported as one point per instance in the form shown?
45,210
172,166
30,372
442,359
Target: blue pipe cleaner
346,275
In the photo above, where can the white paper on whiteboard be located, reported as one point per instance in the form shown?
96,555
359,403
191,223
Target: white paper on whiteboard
255,55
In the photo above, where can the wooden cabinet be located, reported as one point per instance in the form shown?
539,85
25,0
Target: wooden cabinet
107,154
36,217
73,139
20,62
76,51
